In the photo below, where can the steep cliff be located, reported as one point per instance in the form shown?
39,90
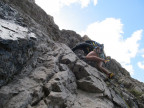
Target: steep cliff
39,70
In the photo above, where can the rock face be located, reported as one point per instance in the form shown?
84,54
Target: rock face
39,70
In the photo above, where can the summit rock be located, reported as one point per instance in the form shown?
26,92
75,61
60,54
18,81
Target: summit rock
38,69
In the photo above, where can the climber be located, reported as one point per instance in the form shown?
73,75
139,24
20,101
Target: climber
98,56
95,52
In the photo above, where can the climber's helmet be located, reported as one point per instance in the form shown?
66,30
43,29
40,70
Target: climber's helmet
99,48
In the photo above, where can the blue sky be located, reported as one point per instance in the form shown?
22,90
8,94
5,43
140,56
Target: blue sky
116,23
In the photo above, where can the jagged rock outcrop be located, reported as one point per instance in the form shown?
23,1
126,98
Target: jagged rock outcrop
70,38
39,70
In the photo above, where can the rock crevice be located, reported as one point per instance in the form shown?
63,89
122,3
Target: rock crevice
38,69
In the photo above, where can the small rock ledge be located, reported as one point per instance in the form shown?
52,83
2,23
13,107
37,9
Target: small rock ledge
38,69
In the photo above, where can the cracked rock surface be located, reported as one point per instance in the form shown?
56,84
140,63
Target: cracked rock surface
38,69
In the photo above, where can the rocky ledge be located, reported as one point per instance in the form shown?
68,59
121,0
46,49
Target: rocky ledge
39,70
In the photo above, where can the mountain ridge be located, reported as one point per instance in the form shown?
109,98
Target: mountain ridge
39,70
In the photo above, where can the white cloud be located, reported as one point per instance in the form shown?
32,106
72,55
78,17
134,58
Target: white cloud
129,68
95,2
141,51
141,65
85,3
50,6
53,7
110,32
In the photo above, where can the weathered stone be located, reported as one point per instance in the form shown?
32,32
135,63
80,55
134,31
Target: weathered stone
62,82
39,75
37,95
138,89
127,83
16,90
69,59
19,101
39,70
32,1
42,74
118,99
41,104
90,84
57,97
70,38
81,69
91,100
142,97
16,48
107,92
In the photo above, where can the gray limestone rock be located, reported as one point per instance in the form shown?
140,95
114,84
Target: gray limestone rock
39,70
90,84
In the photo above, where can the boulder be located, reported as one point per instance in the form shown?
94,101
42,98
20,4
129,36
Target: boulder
38,69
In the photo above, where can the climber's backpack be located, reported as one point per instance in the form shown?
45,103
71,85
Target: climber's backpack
95,45
88,46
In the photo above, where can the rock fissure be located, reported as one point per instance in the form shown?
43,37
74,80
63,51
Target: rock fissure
38,69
